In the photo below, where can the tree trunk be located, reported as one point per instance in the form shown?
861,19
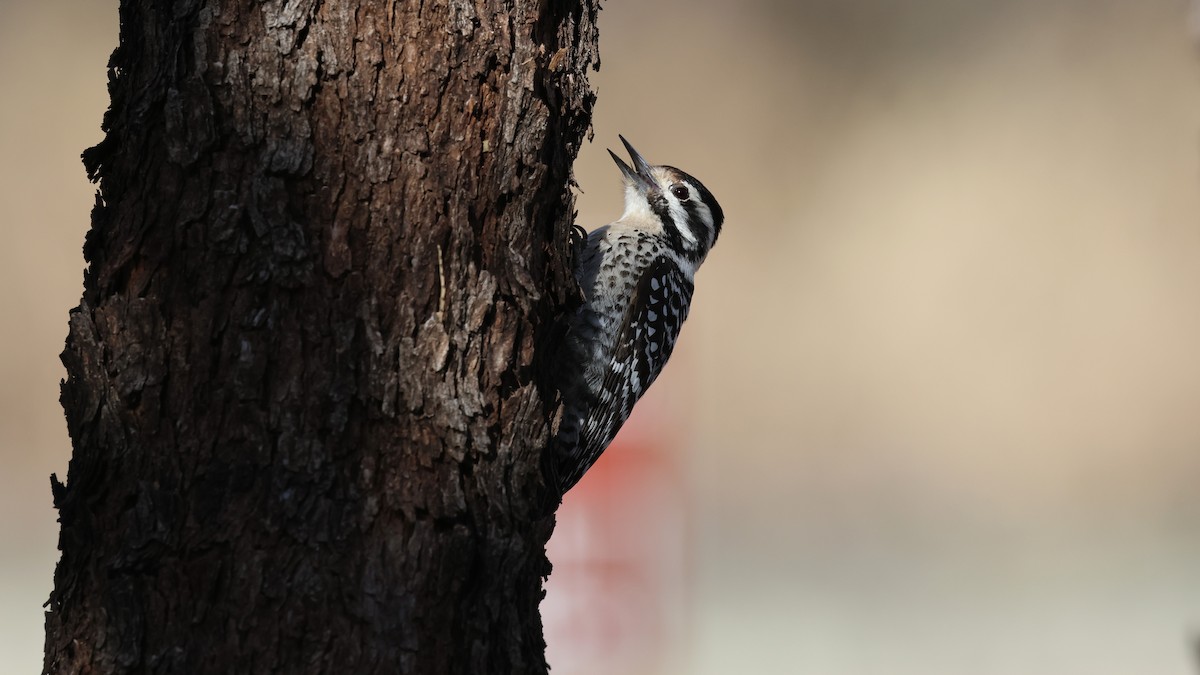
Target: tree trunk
305,385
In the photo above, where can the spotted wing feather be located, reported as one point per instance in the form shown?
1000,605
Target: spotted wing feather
643,344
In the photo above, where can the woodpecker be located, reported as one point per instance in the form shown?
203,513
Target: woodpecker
637,276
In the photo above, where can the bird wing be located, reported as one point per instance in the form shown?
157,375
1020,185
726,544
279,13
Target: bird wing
643,344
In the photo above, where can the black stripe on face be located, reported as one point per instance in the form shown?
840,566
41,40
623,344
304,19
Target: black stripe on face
658,204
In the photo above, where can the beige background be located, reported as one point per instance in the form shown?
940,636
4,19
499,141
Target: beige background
942,376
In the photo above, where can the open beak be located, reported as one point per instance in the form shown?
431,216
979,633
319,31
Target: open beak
639,175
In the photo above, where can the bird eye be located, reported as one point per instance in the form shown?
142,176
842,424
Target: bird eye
681,192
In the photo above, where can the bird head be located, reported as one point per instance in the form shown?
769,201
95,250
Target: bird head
664,196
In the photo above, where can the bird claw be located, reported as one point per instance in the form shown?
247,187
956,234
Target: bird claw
577,241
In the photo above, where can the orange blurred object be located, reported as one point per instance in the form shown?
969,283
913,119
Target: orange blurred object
615,602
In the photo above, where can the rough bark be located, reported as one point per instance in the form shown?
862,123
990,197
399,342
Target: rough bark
303,388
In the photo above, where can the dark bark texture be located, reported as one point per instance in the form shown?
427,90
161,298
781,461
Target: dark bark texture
304,385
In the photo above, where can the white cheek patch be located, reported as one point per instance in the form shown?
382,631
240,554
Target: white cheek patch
705,215
706,218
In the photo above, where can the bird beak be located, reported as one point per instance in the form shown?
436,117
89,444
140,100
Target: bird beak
641,175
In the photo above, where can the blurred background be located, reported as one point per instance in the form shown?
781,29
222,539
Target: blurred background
937,407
